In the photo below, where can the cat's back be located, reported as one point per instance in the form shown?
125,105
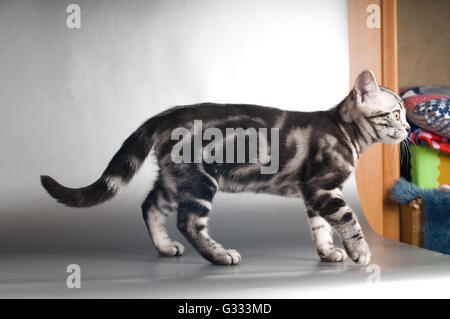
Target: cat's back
219,113
240,115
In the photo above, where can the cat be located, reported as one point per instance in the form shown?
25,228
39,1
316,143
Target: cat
318,151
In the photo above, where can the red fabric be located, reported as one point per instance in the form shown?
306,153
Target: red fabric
436,141
412,101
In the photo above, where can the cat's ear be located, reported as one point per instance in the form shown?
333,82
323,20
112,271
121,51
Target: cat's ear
366,86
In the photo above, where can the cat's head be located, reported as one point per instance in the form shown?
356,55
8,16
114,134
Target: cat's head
381,107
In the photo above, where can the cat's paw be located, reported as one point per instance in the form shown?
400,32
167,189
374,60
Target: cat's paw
225,257
172,249
358,251
333,255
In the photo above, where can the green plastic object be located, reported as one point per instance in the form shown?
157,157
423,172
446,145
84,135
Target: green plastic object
425,166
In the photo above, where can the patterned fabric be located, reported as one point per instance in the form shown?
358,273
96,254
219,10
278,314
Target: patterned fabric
419,135
428,89
412,101
431,112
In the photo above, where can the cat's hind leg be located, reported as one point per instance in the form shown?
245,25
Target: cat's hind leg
193,210
192,222
322,235
155,209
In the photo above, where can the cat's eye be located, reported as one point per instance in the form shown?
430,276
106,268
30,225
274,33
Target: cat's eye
396,115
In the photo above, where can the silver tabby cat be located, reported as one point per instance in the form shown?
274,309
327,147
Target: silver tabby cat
317,152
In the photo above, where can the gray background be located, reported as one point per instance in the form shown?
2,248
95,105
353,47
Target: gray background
69,97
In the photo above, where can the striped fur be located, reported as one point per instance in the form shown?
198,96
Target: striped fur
317,153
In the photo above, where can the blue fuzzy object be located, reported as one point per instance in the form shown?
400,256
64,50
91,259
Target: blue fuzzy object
437,213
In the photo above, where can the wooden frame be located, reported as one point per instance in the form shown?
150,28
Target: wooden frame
373,45
412,219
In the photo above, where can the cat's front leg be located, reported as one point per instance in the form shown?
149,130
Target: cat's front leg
322,236
330,205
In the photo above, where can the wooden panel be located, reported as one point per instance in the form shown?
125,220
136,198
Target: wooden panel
389,28
369,179
365,53
391,209
375,46
391,153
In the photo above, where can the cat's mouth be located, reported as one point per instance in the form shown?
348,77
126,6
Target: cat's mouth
399,136
405,134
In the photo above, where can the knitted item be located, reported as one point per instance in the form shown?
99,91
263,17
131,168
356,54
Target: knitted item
412,101
437,213
431,112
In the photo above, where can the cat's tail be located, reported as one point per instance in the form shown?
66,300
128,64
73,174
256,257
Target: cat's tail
117,174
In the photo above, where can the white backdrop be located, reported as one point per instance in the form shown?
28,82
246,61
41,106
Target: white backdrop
69,97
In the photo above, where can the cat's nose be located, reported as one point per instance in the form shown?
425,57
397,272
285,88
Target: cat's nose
408,128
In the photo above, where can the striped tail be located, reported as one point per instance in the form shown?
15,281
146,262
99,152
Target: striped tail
117,174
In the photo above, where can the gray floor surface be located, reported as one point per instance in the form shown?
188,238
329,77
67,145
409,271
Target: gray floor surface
112,248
